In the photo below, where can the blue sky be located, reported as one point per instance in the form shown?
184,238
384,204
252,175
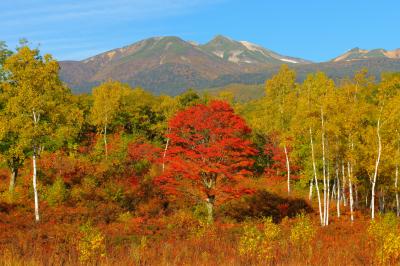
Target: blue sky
315,30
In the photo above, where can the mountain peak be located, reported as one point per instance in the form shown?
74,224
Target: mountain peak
220,37
361,54
163,61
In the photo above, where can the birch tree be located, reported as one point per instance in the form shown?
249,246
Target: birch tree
36,108
106,105
278,89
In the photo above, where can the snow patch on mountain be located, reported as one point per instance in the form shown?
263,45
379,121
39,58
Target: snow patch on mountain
288,60
251,46
219,53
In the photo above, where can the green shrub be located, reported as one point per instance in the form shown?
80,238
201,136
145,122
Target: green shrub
57,193
114,193
86,191
124,217
10,197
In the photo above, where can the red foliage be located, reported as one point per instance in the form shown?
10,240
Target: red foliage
139,151
88,142
208,152
59,164
278,166
143,151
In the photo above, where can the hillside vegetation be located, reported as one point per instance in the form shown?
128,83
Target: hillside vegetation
170,65
307,174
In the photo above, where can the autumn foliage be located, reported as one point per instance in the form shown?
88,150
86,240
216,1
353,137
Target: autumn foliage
209,154
127,177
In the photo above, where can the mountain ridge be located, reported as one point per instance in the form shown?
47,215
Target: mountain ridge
363,54
170,65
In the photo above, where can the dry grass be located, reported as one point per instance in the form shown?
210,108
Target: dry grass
175,240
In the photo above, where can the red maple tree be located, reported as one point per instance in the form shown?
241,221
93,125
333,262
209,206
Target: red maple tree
209,154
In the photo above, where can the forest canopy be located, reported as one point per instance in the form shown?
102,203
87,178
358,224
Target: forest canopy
123,155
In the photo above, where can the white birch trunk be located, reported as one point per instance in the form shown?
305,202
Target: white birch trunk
36,118
34,181
323,165
327,198
105,141
287,168
165,154
378,133
349,172
315,178
338,192
344,186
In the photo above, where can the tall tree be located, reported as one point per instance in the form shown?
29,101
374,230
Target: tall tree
278,89
106,104
36,109
208,155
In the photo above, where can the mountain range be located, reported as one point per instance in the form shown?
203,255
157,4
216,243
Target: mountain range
170,65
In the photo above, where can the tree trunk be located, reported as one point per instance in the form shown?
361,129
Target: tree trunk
327,197
344,186
105,141
36,149
287,168
37,218
315,178
210,209
311,189
13,178
338,192
165,154
378,133
323,165
349,172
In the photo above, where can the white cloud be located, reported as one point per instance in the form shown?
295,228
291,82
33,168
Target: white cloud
75,29
59,11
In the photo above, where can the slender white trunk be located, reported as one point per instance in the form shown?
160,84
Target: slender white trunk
333,193
315,178
311,189
105,141
349,172
287,168
323,165
34,181
165,154
36,149
378,133
327,197
397,191
344,186
338,192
